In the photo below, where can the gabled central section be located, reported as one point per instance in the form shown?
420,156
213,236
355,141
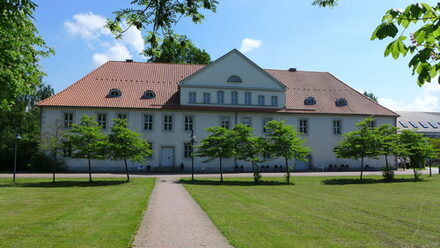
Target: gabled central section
233,80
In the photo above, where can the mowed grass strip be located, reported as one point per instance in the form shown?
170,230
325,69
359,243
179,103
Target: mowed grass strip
323,211
72,212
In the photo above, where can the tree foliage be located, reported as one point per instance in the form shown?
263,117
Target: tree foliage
283,141
218,144
125,144
371,96
87,141
21,51
53,142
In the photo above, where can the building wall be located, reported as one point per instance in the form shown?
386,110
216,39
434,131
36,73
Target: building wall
320,137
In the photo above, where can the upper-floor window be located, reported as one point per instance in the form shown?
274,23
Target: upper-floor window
148,122
123,117
188,123
68,120
234,97
192,97
260,100
274,100
265,121
168,122
114,93
304,126
220,97
336,126
248,98
102,120
372,124
224,122
234,79
149,94
206,97
246,121
310,101
341,102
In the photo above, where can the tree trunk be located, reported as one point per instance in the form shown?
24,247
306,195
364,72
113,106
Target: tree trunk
255,172
362,166
126,170
415,173
53,167
386,161
430,167
90,169
221,170
287,171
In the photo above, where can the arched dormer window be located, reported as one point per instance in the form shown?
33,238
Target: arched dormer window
114,93
149,94
234,79
341,102
309,101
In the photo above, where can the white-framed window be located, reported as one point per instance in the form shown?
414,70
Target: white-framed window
304,126
234,97
372,124
122,116
67,149
248,98
148,122
192,97
265,121
102,120
187,150
274,100
68,120
224,122
246,121
336,126
168,122
260,100
188,123
206,97
220,96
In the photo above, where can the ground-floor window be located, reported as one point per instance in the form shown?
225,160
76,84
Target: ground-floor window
187,150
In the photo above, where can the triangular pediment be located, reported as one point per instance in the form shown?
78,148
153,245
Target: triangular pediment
233,70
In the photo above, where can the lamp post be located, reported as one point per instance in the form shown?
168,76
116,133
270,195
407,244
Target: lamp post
193,137
17,138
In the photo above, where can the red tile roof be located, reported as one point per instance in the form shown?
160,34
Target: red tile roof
133,78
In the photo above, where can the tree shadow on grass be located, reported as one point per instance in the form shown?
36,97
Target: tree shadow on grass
65,184
344,181
233,183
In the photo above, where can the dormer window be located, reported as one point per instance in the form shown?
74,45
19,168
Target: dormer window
341,102
310,101
114,93
234,79
149,94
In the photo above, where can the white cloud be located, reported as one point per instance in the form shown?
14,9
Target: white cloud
87,25
427,100
115,52
249,45
133,37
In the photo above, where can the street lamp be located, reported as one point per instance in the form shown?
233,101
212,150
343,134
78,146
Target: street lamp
193,137
17,138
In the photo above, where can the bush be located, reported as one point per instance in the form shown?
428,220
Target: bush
257,174
387,173
42,162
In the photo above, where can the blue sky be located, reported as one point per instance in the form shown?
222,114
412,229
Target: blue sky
275,34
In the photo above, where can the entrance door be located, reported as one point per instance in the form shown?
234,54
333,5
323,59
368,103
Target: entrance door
167,156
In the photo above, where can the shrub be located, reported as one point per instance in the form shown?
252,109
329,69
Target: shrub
387,173
42,162
257,174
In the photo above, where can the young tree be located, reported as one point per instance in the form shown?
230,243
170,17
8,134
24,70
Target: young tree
126,144
218,144
389,141
87,141
361,143
283,141
248,148
54,143
371,96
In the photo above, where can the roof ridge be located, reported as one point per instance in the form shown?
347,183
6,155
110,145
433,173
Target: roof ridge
295,71
162,63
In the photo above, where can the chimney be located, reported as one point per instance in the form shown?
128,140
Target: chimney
129,60
292,69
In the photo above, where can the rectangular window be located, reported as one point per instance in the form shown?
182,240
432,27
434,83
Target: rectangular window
224,122
187,150
404,125
372,124
265,121
148,122
248,98
122,116
266,155
206,97
423,124
151,147
246,121
336,127
234,97
188,124
274,100
303,126
430,123
260,100
67,149
168,122
192,97
220,97
102,120
68,120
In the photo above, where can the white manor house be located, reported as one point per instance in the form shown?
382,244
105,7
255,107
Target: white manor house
163,102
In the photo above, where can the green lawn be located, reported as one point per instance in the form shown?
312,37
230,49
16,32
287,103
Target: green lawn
71,213
321,212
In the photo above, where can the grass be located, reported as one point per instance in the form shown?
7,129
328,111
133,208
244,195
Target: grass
323,211
72,212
